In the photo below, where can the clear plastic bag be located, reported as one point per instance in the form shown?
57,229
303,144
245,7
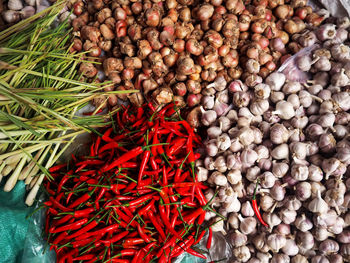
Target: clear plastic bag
36,249
291,70
220,251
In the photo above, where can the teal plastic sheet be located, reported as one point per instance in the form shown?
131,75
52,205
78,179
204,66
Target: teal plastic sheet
21,239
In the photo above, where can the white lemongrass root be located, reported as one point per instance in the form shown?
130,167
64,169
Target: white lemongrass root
12,180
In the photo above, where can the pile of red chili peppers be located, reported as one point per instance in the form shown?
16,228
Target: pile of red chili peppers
135,198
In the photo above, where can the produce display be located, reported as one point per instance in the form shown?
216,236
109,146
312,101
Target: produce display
220,119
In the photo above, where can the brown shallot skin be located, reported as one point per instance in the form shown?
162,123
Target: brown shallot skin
197,41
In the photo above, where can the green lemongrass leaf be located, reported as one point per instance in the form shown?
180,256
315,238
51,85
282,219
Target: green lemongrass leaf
19,123
70,81
35,141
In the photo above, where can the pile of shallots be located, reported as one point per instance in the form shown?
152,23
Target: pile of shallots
176,47
292,139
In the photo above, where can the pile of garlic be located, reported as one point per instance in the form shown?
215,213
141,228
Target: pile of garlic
292,138
19,10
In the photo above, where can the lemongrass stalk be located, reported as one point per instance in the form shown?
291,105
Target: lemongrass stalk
35,184
53,141
17,133
13,156
7,170
34,191
12,180
2,166
29,167
73,82
32,182
35,170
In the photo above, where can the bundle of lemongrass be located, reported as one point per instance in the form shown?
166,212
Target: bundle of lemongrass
40,93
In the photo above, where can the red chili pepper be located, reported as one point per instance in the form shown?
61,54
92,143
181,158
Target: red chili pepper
97,145
124,158
55,203
156,224
179,170
85,241
90,162
52,211
195,253
256,208
199,238
192,217
132,242
178,144
72,226
62,220
63,181
109,146
165,256
102,231
166,222
80,200
57,167
210,238
67,255
143,164
140,112
85,257
100,194
142,233
147,207
85,229
83,212
59,238
140,200
182,247
115,238
155,141
200,196
154,165
106,135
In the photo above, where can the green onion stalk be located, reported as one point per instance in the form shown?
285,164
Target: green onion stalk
41,92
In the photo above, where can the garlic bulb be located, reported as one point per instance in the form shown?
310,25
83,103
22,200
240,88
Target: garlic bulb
280,258
303,223
242,254
329,246
318,205
247,225
275,80
15,5
290,248
276,242
238,239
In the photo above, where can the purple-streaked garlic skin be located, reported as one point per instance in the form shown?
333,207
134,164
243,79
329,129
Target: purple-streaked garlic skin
293,139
